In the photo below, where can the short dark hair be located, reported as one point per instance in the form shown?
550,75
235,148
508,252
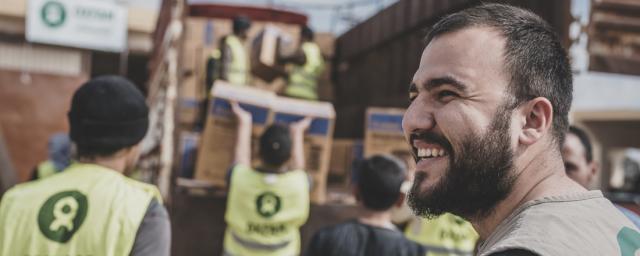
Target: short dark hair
307,32
241,23
534,57
275,145
584,139
378,181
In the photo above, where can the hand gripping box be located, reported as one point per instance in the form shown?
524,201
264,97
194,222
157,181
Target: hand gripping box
318,137
384,135
216,152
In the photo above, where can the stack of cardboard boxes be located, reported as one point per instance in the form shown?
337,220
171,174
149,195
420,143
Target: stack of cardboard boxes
215,155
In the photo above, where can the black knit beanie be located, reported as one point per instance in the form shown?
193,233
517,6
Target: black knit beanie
108,112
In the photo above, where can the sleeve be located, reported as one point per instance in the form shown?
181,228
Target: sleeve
154,235
315,247
515,252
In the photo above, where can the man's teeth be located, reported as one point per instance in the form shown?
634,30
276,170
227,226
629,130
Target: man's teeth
428,152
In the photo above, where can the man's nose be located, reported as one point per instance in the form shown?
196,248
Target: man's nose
418,117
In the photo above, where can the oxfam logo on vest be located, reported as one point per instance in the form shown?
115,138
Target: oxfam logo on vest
268,204
62,215
53,14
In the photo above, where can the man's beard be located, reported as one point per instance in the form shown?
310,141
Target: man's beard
478,177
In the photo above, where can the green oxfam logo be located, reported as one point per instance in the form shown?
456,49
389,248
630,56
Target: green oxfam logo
53,14
268,204
62,215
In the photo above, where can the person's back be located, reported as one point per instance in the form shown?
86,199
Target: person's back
377,188
91,208
267,205
356,238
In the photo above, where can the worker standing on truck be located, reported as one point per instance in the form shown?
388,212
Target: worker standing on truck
266,205
92,208
307,66
235,67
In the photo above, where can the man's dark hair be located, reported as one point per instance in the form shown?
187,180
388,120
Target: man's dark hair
241,23
307,33
275,145
534,57
378,181
584,139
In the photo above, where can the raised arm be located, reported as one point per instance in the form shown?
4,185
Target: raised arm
297,135
243,139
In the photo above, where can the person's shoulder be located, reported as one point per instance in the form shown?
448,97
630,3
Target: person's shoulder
514,252
337,229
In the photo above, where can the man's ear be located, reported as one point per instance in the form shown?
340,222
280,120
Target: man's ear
595,167
537,116
400,199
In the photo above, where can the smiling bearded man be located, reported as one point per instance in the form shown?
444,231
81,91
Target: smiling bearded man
488,113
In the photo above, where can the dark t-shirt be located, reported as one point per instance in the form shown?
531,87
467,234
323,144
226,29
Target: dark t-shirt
353,238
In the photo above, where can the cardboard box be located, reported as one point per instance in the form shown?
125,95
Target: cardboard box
215,155
343,154
264,53
188,151
384,135
318,139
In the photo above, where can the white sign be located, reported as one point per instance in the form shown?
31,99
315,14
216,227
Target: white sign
97,25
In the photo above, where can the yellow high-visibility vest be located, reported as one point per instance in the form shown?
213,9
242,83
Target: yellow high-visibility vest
446,235
303,80
265,211
46,169
238,69
85,210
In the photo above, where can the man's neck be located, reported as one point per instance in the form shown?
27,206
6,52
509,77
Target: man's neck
114,163
539,177
380,219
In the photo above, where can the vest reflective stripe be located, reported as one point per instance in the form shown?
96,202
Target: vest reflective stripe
303,80
445,235
265,211
259,246
85,210
238,69
46,169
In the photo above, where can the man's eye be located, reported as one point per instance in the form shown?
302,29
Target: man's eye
412,96
447,93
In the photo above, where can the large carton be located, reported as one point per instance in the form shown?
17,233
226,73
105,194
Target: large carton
318,138
216,152
344,152
384,135
264,53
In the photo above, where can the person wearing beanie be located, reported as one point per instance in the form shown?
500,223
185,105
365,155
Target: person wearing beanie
92,208
377,185
267,205
234,66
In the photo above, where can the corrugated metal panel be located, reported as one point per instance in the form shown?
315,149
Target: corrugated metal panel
614,36
376,59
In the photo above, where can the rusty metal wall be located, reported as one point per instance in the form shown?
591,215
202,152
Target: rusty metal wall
614,36
376,59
